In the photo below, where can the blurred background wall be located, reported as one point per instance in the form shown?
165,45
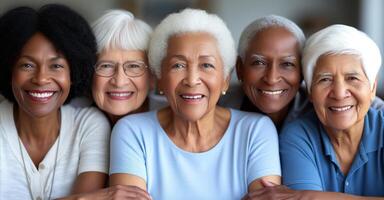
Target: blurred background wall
311,15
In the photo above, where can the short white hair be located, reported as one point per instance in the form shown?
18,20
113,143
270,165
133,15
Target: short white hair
266,22
191,21
341,39
118,29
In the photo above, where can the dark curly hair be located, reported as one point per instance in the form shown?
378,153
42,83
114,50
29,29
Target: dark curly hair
65,29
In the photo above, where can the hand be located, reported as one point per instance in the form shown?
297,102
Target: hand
114,193
272,191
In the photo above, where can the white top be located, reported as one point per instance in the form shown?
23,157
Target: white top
248,150
84,146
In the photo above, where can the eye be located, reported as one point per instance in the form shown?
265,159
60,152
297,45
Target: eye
258,62
288,64
133,65
57,66
178,66
105,65
352,78
26,65
207,65
325,80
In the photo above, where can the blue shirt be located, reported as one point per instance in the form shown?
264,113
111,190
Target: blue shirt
309,161
247,151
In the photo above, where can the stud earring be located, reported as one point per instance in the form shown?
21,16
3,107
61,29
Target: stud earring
224,93
161,92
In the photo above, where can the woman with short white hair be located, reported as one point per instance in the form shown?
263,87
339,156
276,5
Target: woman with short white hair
194,149
336,152
122,40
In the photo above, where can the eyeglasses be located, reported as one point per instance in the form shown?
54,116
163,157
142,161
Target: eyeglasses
131,68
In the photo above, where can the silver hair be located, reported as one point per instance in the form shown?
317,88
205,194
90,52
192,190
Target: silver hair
119,29
191,21
266,22
341,39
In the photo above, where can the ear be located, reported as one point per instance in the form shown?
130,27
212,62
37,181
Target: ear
239,65
226,83
152,81
373,91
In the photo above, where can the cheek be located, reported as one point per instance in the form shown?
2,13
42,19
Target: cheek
252,76
99,86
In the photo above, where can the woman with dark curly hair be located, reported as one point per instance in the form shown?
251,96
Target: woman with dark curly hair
48,150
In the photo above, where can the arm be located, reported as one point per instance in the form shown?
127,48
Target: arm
264,162
127,179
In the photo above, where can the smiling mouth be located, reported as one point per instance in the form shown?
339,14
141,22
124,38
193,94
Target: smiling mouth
120,94
340,109
41,95
272,92
192,97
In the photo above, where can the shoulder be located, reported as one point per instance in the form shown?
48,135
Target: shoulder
302,128
254,124
136,124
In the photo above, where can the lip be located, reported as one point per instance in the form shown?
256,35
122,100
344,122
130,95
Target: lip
272,92
40,96
340,109
192,98
120,95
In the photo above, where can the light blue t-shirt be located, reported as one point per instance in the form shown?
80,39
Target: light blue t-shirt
309,161
247,151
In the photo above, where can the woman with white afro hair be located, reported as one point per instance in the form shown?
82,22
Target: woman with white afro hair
194,149
336,151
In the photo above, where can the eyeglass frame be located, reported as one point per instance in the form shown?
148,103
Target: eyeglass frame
117,64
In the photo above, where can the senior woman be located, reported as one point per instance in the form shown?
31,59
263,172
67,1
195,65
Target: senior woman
48,150
121,78
337,150
194,149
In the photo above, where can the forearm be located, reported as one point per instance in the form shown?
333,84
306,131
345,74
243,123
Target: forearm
318,195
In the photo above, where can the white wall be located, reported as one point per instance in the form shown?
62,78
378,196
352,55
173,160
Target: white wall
89,9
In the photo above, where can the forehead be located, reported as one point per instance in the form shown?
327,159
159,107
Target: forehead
38,43
116,53
339,63
274,38
199,41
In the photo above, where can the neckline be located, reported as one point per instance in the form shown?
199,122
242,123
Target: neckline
215,148
13,137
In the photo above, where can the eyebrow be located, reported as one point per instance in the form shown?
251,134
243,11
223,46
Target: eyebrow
257,56
51,59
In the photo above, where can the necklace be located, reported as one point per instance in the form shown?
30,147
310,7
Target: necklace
54,169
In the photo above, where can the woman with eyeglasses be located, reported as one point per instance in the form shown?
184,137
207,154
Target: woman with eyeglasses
121,78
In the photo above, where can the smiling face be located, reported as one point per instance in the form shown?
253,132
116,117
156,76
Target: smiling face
40,78
120,94
340,92
270,72
192,75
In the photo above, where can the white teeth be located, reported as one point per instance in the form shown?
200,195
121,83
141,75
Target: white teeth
340,109
41,94
192,97
120,94
275,92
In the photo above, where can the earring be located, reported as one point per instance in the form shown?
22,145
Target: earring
161,92
223,93
240,81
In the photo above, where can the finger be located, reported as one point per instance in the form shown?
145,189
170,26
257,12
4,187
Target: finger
267,183
131,191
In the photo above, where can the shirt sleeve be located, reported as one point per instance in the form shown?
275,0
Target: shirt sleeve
263,158
298,161
127,149
94,147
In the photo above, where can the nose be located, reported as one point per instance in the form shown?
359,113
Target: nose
340,90
41,76
192,76
119,79
272,75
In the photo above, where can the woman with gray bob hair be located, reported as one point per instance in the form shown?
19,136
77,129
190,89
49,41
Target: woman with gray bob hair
194,149
336,152
121,40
